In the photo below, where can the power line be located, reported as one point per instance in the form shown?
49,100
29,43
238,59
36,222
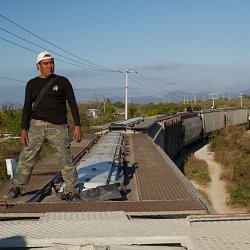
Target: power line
6,40
150,83
6,78
92,67
38,52
154,84
140,81
78,89
99,66
145,81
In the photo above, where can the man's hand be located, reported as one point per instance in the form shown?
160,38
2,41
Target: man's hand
24,137
77,134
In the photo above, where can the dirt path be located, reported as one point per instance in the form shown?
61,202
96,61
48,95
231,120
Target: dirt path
216,190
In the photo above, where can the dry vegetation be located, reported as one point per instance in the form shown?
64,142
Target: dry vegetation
232,150
197,170
10,149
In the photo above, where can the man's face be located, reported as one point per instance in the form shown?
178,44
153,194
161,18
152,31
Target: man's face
46,67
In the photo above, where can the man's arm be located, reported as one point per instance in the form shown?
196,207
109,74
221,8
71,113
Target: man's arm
24,137
77,134
25,116
70,96
26,109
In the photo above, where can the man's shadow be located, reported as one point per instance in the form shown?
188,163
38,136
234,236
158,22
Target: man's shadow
13,242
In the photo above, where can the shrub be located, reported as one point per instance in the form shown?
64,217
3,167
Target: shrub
223,157
10,149
232,149
218,141
3,171
240,193
197,170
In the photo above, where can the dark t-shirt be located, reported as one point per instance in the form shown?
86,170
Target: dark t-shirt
52,108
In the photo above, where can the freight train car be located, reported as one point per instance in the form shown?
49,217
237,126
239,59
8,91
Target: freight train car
212,120
173,136
217,119
174,132
180,131
236,116
192,126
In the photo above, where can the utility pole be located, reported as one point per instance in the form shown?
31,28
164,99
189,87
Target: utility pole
214,96
240,95
126,91
104,108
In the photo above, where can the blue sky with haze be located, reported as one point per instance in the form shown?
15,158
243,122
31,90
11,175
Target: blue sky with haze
188,45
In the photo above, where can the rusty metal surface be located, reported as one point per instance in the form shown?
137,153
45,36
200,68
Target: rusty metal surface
76,147
52,165
133,208
45,170
156,178
173,136
161,191
36,182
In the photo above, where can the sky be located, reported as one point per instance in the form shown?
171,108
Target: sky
167,45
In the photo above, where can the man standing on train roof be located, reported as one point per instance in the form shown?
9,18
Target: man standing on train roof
48,123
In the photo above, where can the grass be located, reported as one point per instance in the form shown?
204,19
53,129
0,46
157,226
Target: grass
197,170
10,149
240,193
232,150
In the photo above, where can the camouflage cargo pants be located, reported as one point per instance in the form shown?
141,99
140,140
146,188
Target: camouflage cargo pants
58,137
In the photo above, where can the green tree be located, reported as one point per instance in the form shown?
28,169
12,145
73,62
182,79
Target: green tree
132,110
10,119
119,105
14,127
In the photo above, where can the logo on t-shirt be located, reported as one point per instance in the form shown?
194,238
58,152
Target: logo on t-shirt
55,88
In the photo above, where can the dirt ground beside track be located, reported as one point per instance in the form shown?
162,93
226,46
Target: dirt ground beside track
216,190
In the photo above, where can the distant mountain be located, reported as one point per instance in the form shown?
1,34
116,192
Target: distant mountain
139,99
14,95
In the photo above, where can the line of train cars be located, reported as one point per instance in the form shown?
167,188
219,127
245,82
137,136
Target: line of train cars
174,132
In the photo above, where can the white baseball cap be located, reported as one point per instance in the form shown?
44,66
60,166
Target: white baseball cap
44,55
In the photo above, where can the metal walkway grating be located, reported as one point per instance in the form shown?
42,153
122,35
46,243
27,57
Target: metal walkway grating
167,194
159,178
